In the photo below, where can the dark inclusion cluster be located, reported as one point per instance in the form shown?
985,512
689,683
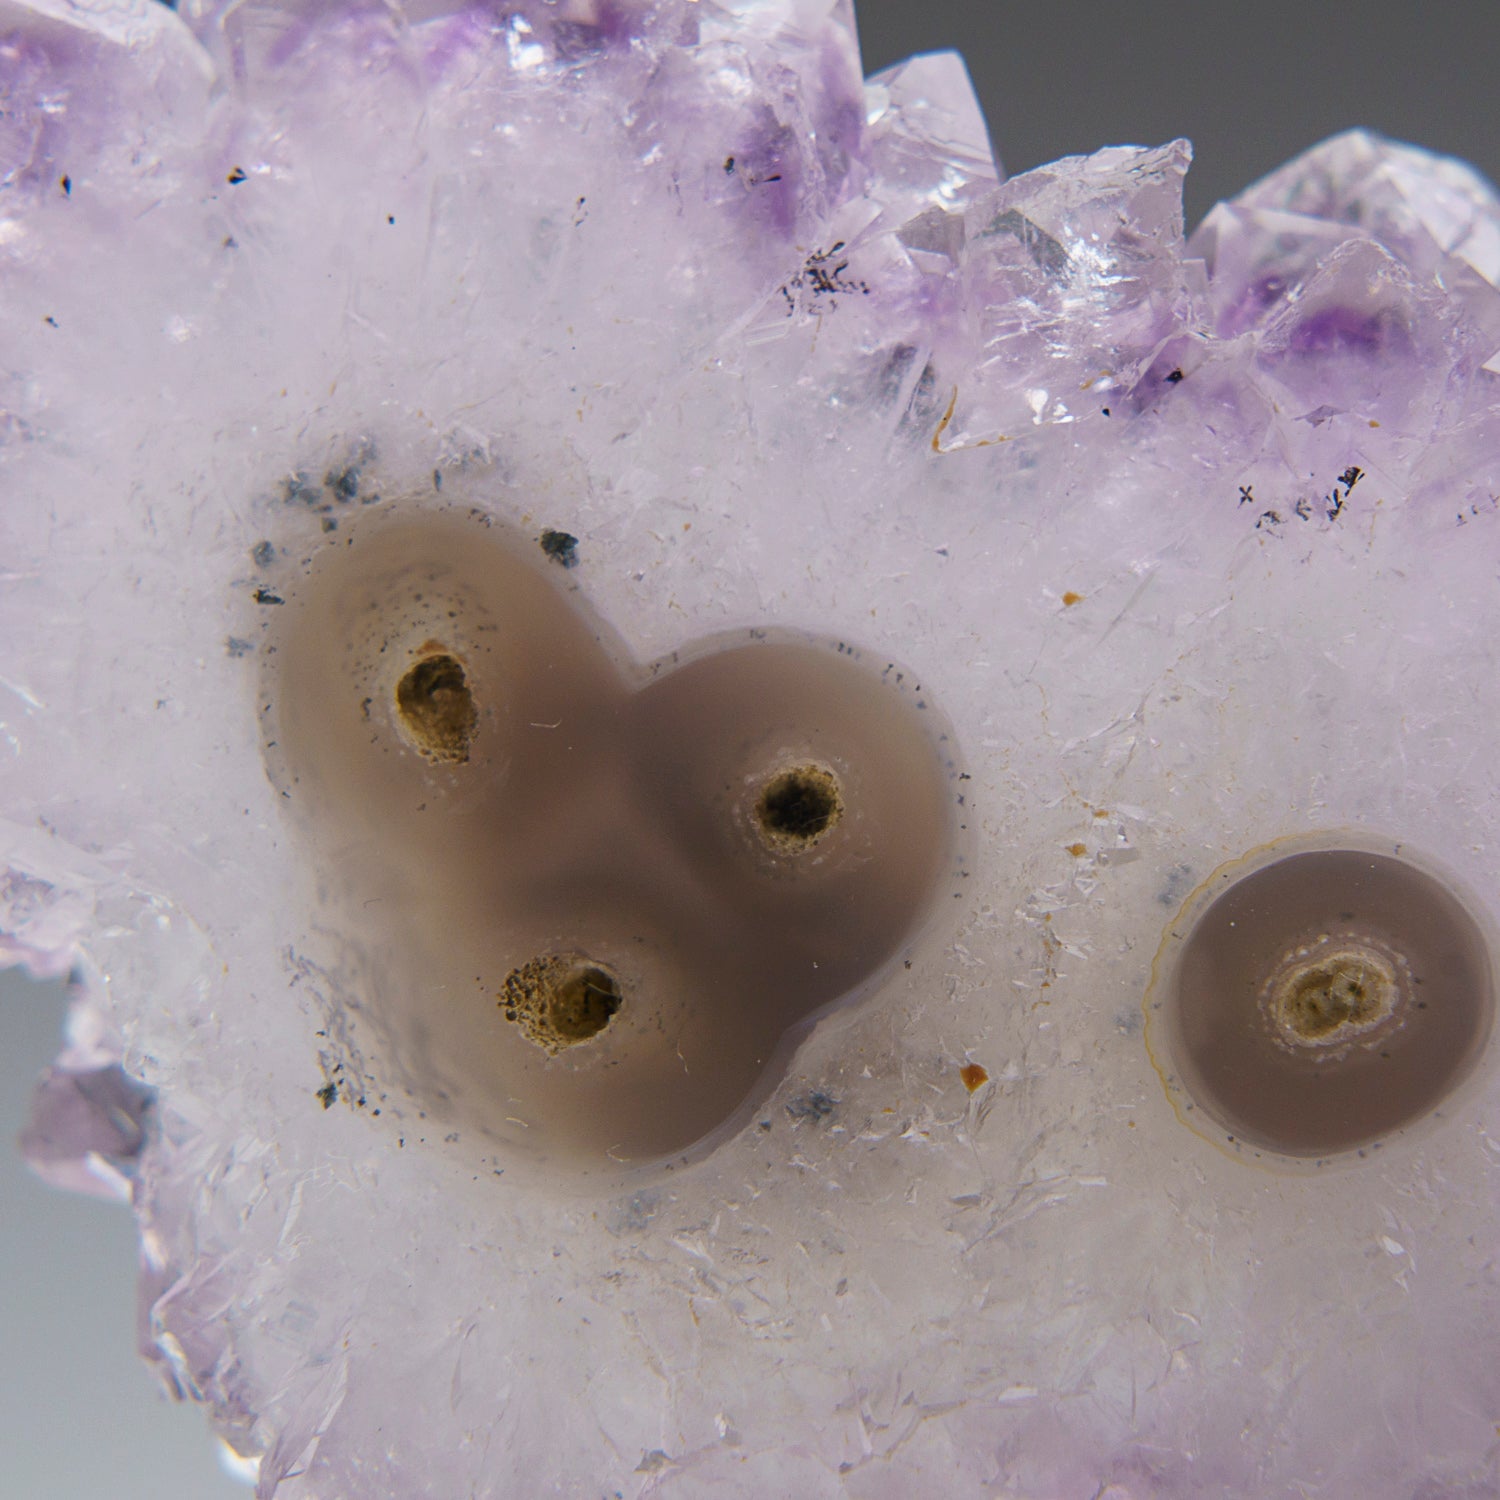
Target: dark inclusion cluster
600,903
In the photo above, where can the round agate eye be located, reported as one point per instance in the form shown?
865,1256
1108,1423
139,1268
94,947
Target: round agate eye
1316,1001
809,794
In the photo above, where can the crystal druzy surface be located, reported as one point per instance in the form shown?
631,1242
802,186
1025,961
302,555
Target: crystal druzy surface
1193,544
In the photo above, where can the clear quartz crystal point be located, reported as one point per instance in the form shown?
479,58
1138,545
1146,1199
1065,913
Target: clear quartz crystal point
1183,549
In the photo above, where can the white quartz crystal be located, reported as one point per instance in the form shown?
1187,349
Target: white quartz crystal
1194,544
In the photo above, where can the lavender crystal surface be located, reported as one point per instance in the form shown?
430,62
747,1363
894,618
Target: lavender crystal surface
1193,542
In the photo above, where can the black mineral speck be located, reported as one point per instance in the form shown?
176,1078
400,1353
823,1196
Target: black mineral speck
300,489
236,176
327,1094
344,482
561,547
823,276
814,1105
263,554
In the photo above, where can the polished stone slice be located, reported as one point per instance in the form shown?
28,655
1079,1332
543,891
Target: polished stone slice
1193,544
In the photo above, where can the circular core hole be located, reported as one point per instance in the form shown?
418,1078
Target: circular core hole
436,709
560,1001
1320,1001
796,807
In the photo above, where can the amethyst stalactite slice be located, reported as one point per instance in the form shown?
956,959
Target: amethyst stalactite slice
1129,552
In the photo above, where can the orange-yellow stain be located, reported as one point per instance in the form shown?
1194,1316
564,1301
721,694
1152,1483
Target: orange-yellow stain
974,1076
942,427
1101,812
1078,850
1070,599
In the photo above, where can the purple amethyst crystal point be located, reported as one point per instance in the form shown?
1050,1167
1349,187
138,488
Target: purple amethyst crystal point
1364,275
86,1130
926,145
1074,283
520,517
1436,215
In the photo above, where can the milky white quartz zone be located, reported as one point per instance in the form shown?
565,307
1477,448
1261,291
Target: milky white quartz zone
780,347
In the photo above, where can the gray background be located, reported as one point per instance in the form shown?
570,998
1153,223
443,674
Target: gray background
1251,84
